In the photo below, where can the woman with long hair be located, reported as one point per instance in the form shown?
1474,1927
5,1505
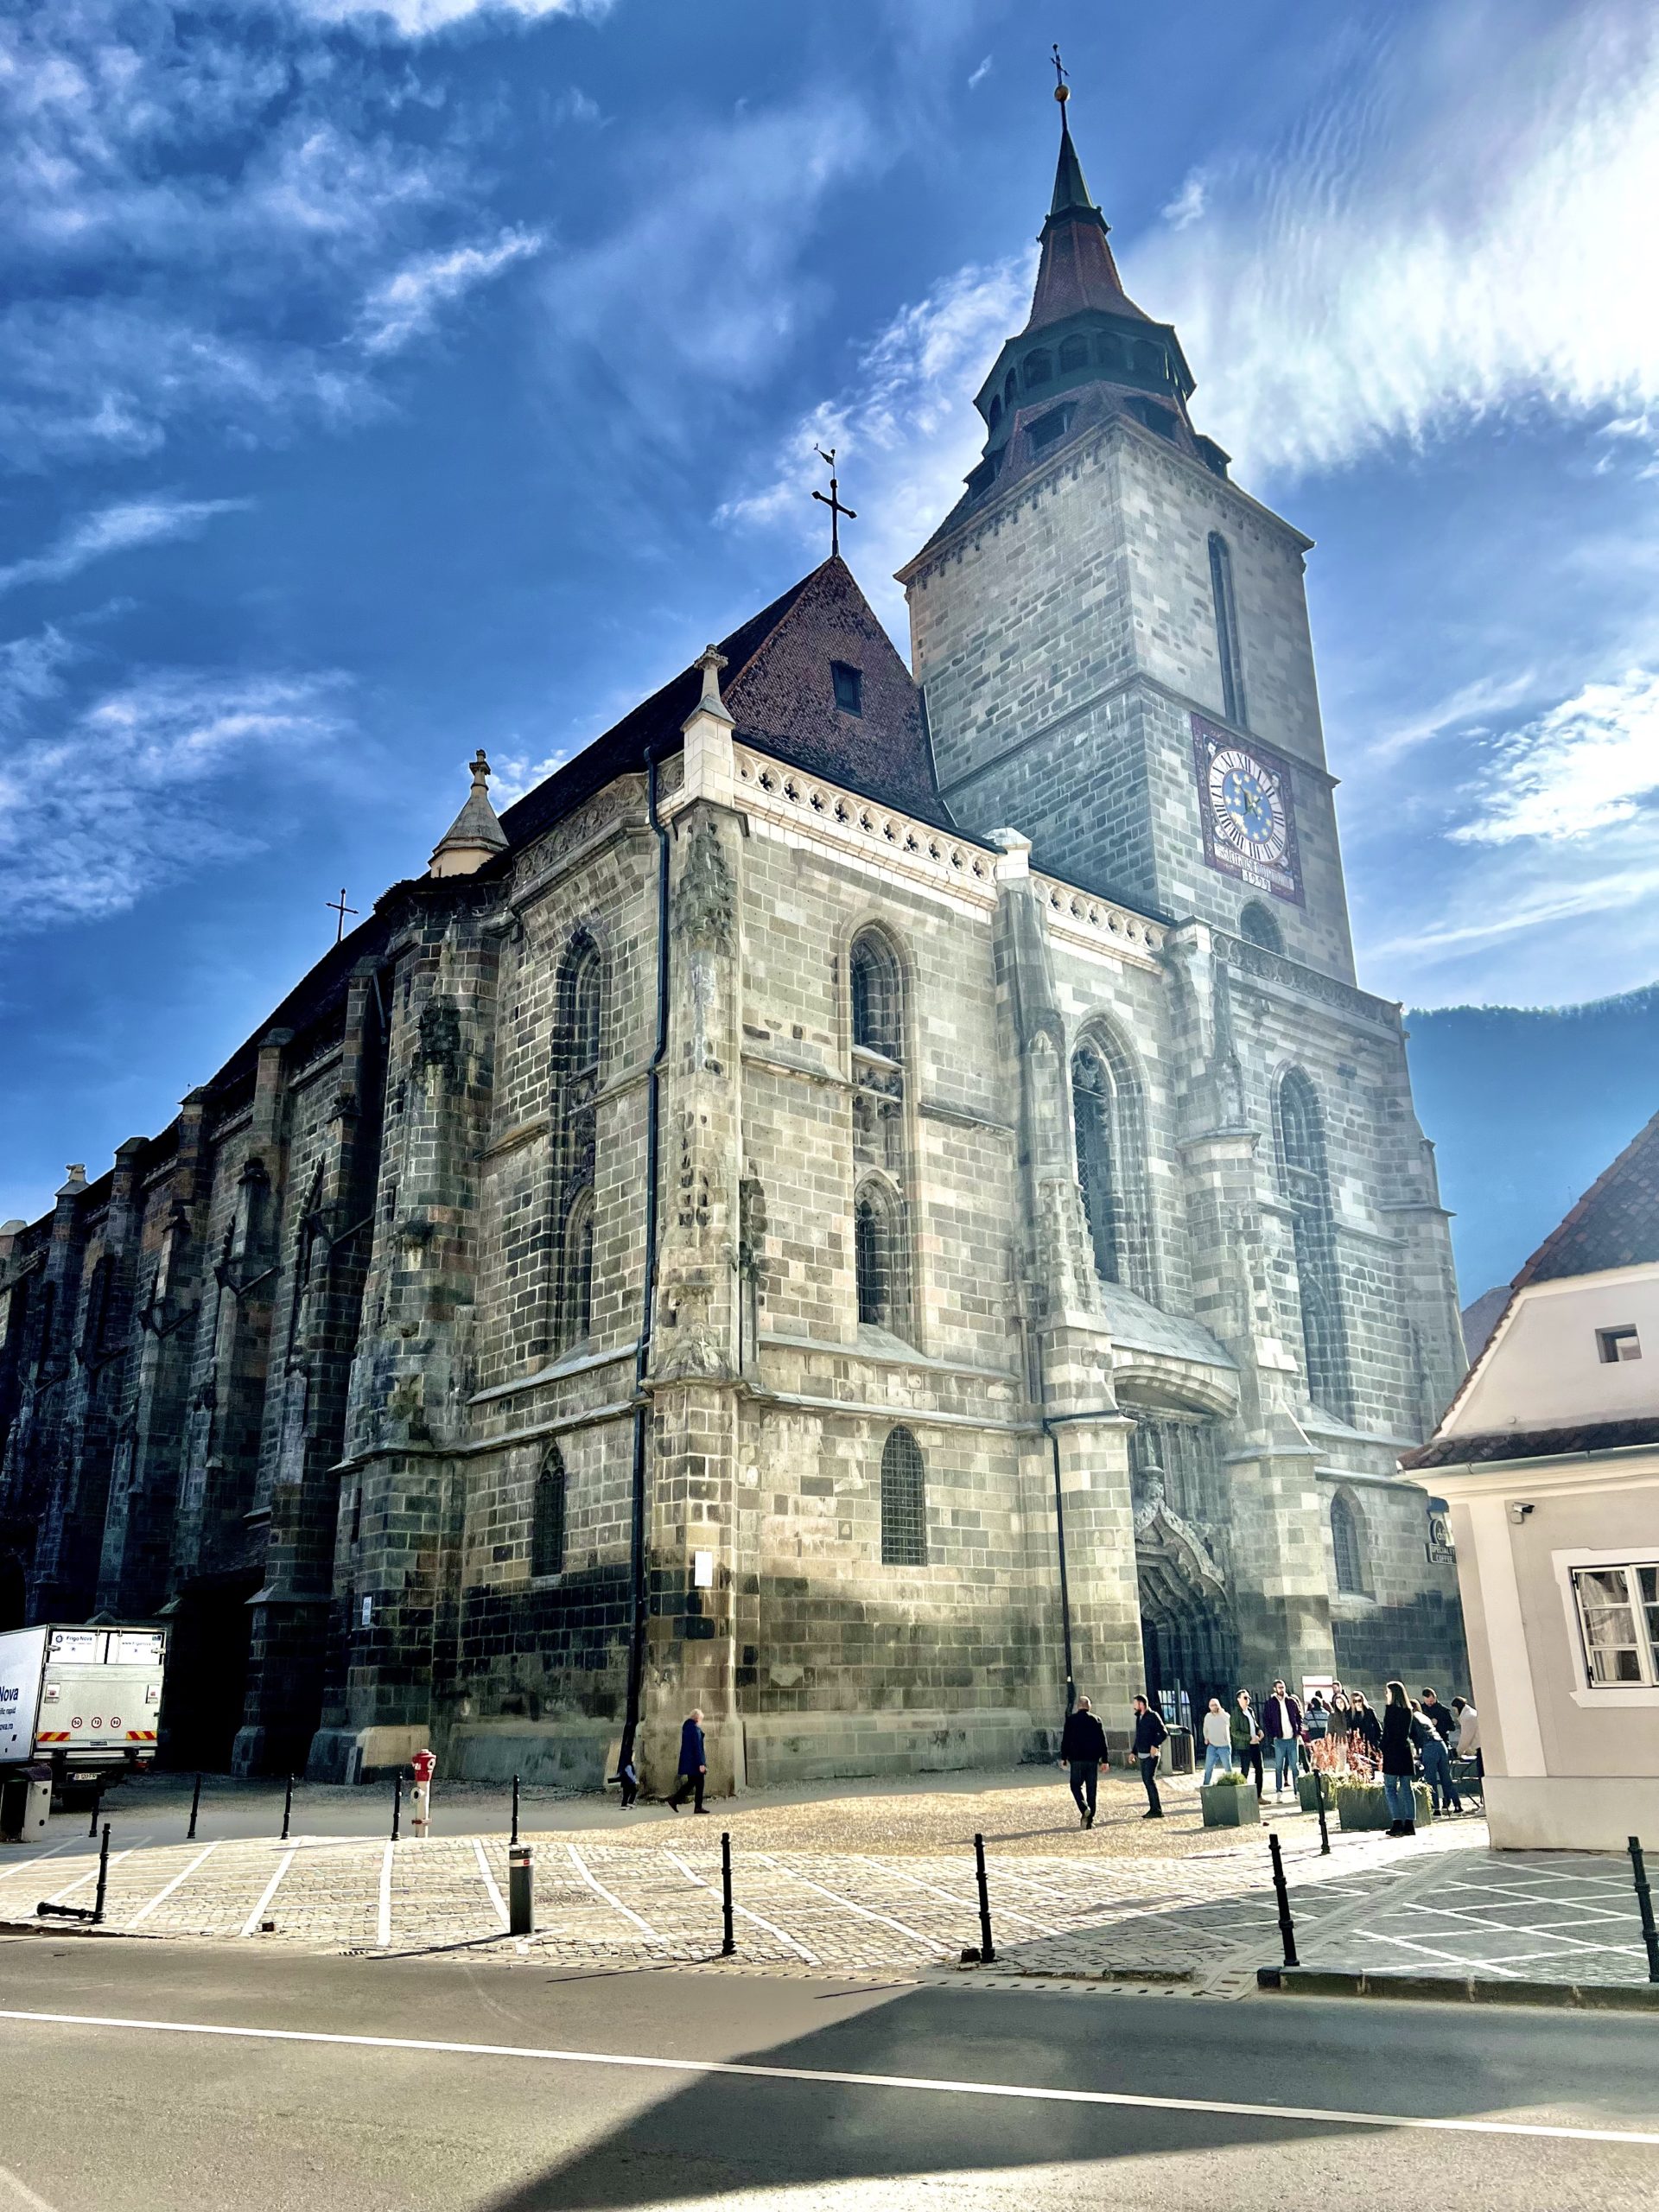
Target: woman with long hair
1399,1760
1341,1720
1365,1736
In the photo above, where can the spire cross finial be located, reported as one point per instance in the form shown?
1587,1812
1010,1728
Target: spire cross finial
480,769
1061,73
339,906
833,501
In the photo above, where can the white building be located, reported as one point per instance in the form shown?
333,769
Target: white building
1549,1457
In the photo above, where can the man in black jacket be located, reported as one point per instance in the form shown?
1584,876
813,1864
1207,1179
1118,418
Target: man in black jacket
1149,1737
1083,1747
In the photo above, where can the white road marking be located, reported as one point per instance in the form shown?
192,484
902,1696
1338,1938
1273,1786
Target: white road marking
1306,2115
91,1875
250,1925
21,2193
162,1895
23,1866
743,1913
383,1923
581,1866
864,1912
965,1904
496,1897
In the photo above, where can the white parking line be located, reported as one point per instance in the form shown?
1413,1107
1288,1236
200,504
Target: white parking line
23,1866
864,1912
496,1897
20,2193
743,1913
628,1913
162,1895
1304,2115
965,1904
250,1925
91,1875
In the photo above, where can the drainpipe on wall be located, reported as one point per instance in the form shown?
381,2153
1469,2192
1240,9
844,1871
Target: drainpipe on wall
642,1355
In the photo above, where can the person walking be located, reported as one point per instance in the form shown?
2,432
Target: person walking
1150,1734
1083,1747
1441,1717
1218,1741
1282,1721
1436,1760
693,1764
1316,1721
1364,1734
627,1776
1244,1733
1399,1760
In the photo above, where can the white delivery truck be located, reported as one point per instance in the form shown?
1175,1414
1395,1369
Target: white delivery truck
87,1701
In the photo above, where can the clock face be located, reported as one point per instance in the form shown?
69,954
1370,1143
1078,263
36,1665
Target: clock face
1248,814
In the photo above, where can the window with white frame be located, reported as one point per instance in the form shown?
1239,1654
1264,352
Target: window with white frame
1618,1619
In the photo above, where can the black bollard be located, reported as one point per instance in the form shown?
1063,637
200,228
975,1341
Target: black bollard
986,1948
1644,1906
97,1806
728,1934
103,1877
397,1805
1318,1799
1280,1890
195,1807
288,1807
515,1808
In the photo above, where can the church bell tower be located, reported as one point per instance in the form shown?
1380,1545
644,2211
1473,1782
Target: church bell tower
1113,637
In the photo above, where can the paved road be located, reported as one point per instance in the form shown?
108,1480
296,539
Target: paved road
758,2092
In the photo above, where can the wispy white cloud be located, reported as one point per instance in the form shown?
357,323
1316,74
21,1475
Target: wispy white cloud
903,425
1588,763
1449,238
977,76
1189,203
405,305
1460,709
418,18
99,807
116,529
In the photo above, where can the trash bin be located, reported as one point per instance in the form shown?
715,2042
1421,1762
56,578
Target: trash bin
1179,1755
26,1805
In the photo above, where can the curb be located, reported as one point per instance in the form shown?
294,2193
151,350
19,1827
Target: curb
1461,1989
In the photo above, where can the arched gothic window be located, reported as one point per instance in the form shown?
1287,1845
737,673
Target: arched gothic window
1345,1544
96,1321
1110,1126
1039,368
578,1038
1306,1187
1226,614
995,416
1108,351
878,1258
1257,924
547,1518
904,1502
1074,353
877,994
1148,360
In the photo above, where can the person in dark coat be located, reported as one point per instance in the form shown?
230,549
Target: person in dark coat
1399,1760
1365,1732
627,1774
1083,1747
1150,1734
1244,1729
694,1764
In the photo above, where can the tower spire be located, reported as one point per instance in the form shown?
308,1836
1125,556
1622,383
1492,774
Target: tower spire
1076,270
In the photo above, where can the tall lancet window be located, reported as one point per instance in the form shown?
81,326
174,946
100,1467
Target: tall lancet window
1110,1124
882,1230
577,1051
1305,1183
1226,609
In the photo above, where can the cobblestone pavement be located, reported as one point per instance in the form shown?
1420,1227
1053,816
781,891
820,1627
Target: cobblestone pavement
1557,1916
650,1895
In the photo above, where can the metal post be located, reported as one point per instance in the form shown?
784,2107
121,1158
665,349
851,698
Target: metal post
288,1807
195,1807
521,1889
103,1877
1644,1906
515,1808
986,1948
397,1805
1318,1799
97,1806
1280,1890
729,1938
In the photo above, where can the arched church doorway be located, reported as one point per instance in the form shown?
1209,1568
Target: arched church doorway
1189,1644
1189,1636
207,1673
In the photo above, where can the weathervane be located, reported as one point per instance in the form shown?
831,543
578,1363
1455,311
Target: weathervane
339,906
1061,73
833,501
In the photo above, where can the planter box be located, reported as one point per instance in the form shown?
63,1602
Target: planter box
1308,1794
1362,1805
1228,1805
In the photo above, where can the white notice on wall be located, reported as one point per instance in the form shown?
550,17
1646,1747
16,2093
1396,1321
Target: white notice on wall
702,1570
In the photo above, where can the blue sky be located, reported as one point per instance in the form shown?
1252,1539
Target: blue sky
377,383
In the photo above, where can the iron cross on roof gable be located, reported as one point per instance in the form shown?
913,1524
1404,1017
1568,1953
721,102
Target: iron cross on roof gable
832,501
339,906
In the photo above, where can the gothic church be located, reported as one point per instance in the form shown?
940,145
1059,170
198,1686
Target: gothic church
868,1202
